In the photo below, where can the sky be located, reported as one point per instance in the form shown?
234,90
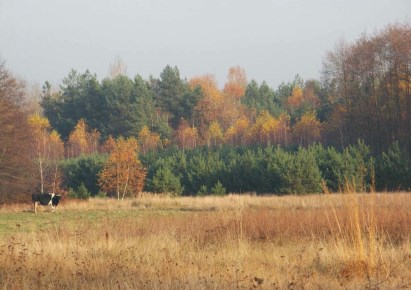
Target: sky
272,40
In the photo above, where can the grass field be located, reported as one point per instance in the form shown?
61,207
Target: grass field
341,241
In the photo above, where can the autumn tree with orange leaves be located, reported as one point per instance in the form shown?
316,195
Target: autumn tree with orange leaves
123,173
236,82
148,140
296,98
15,138
210,107
108,145
186,136
81,141
234,91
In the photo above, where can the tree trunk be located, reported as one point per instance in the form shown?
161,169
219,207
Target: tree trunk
126,185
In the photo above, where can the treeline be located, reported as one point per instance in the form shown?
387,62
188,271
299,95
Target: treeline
267,169
187,113
364,94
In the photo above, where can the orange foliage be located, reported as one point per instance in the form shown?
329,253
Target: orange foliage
81,141
310,97
108,145
210,106
186,136
148,140
296,97
77,142
123,173
233,91
208,85
237,82
217,106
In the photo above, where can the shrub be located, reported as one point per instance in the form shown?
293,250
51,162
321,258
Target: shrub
101,194
80,193
164,181
393,170
218,189
83,170
203,190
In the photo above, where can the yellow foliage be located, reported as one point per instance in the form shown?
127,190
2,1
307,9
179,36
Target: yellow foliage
148,140
56,144
38,123
81,141
308,129
237,133
214,133
144,133
47,148
78,139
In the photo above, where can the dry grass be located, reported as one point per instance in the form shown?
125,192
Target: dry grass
346,241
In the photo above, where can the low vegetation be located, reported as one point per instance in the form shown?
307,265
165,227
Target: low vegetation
329,241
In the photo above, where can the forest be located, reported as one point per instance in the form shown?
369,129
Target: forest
119,136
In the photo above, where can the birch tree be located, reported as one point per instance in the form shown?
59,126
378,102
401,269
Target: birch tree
123,173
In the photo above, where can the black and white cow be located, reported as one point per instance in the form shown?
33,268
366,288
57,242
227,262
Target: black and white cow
45,199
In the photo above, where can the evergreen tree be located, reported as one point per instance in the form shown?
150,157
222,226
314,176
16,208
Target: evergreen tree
164,181
79,98
169,93
121,107
83,170
393,171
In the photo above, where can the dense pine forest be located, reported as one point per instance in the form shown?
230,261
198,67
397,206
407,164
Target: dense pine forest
119,136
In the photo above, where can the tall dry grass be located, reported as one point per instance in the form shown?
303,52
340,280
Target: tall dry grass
346,241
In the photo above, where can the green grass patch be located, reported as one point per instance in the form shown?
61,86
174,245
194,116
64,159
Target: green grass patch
12,223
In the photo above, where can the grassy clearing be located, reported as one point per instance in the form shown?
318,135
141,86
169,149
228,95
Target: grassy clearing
342,241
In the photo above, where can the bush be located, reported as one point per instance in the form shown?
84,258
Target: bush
80,193
83,170
218,189
101,194
164,181
203,190
393,172
357,167
304,175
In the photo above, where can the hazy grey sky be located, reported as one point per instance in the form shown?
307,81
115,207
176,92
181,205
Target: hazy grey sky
272,40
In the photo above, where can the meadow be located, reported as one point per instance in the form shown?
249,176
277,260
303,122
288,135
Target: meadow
327,241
